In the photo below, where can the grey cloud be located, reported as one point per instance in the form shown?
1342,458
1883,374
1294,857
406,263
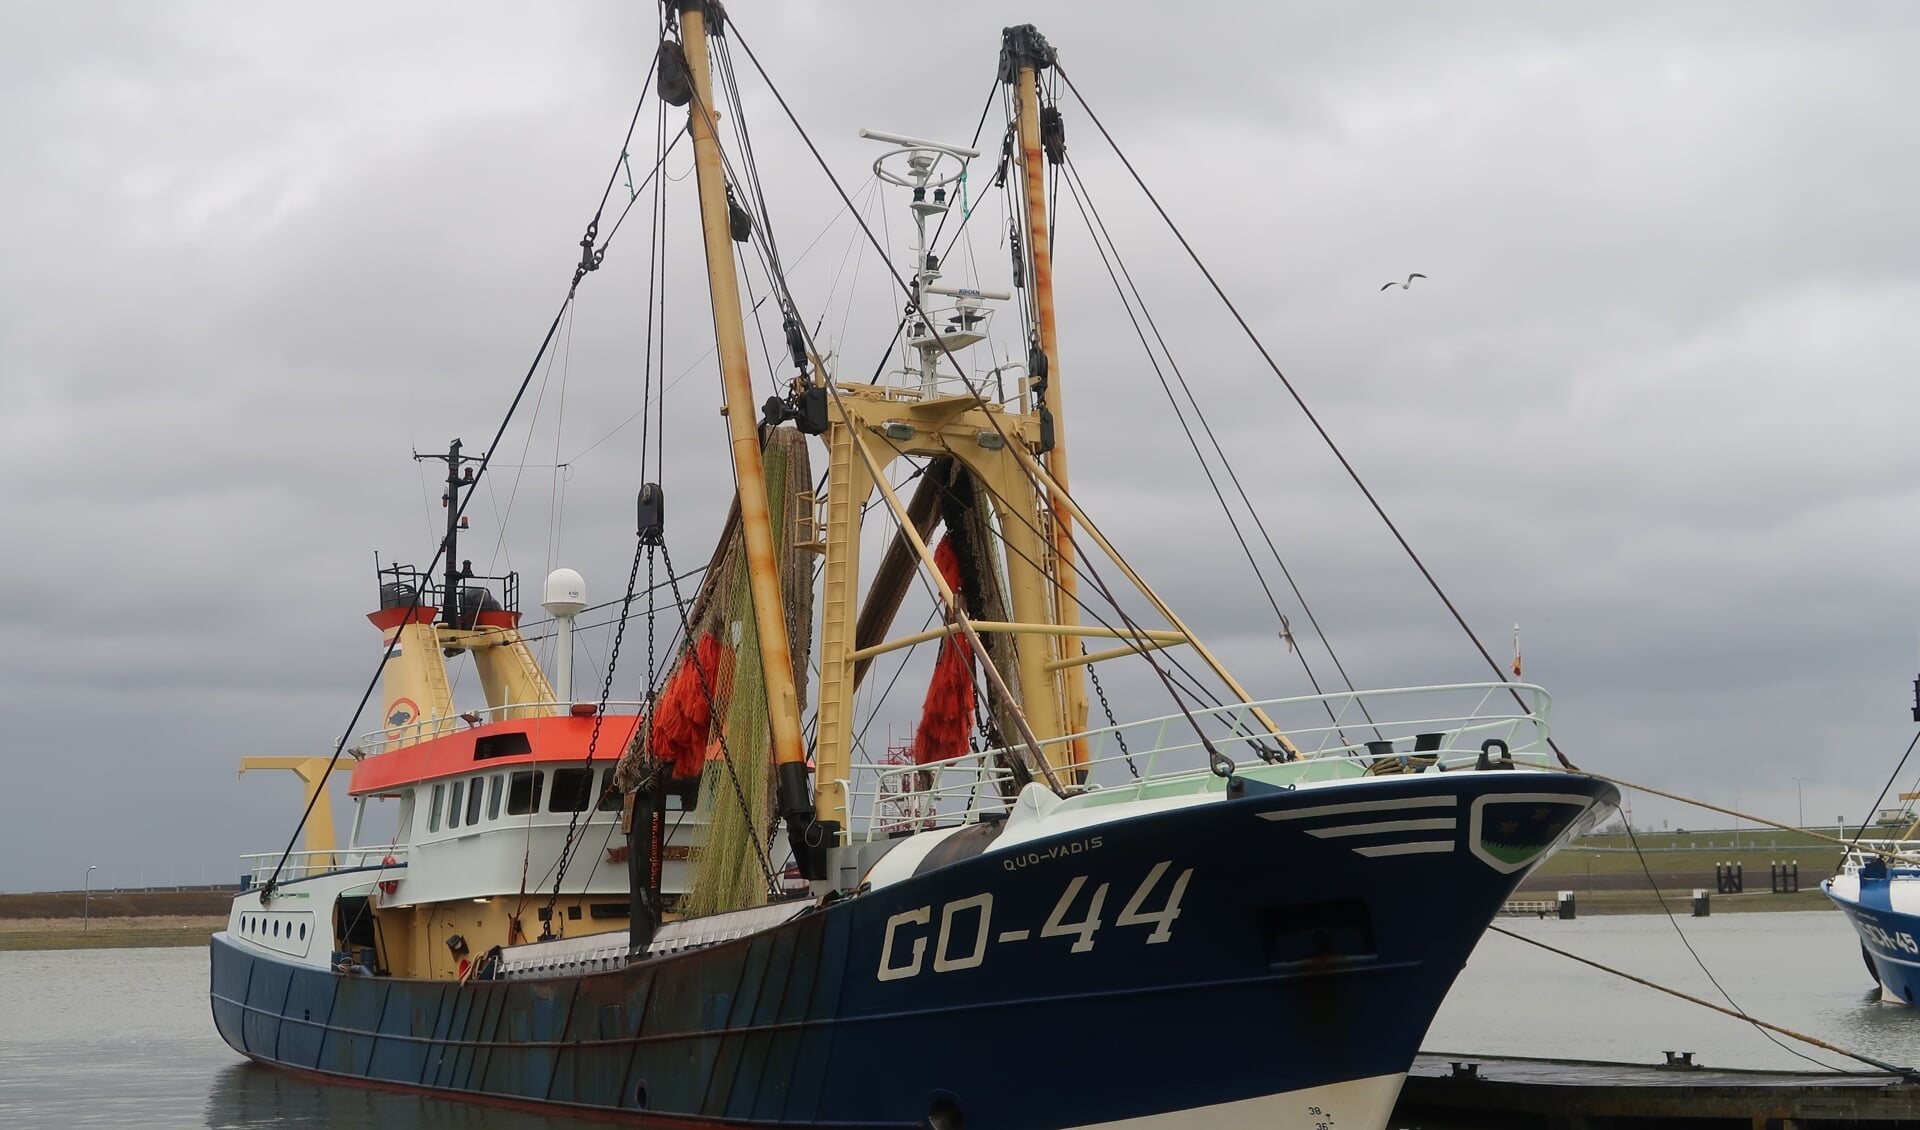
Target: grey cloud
1650,402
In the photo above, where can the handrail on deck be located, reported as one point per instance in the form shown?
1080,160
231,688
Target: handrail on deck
307,864
421,729
1355,733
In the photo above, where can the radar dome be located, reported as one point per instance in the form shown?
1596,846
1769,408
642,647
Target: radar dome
566,593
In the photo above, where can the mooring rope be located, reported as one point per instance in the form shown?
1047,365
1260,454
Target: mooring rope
1907,1073
1738,814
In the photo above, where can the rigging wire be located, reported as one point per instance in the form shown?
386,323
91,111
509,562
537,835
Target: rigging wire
698,361
271,885
642,545
1353,474
593,741
531,624
1695,954
1214,756
556,491
1739,815
1076,187
1907,1073
1891,778
1076,190
726,755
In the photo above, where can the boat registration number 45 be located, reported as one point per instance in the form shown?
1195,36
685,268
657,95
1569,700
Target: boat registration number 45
965,928
1900,943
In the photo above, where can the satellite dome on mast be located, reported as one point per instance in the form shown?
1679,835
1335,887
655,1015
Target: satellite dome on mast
566,594
565,598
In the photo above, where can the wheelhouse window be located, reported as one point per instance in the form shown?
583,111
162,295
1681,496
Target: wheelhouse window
453,804
523,791
474,788
493,795
433,810
403,825
609,796
510,744
572,790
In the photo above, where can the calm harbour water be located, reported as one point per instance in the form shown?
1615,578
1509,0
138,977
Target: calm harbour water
117,1038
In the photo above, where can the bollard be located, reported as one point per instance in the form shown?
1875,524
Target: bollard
1567,909
1702,903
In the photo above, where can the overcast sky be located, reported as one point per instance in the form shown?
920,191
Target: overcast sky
1653,400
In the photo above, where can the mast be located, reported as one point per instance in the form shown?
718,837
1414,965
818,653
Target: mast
1025,54
769,612
455,569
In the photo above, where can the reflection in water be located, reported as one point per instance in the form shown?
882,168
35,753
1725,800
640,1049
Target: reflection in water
248,1095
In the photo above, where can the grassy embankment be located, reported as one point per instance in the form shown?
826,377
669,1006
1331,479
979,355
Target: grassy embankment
1608,877
111,919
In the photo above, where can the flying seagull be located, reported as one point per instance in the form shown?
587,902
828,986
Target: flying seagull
1404,285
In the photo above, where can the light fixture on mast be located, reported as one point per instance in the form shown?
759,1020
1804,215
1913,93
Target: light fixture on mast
928,169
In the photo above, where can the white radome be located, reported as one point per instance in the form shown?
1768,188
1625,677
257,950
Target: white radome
566,593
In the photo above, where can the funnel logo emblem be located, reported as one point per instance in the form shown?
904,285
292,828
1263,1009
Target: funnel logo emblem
403,711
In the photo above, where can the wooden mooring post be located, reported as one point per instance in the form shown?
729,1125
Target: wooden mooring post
1730,878
1785,877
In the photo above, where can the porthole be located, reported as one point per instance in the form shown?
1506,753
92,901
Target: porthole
276,927
303,931
246,925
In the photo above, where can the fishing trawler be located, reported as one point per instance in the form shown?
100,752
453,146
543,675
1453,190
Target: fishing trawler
689,910
1878,889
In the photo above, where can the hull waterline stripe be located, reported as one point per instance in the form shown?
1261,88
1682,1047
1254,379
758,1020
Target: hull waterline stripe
1362,806
1422,847
1440,824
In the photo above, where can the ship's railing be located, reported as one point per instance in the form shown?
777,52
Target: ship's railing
1350,734
392,737
1901,852
307,864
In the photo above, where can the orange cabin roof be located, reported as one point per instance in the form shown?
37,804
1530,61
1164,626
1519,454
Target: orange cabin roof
564,738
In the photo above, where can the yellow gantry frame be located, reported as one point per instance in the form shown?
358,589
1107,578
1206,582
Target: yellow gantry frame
312,772
864,435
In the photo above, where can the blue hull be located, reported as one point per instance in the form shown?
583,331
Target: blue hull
1285,960
1889,939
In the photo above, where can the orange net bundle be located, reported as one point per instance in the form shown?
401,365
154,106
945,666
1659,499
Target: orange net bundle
684,715
946,718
